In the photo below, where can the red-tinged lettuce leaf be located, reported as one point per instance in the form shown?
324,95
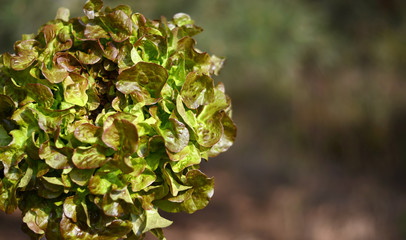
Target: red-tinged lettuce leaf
132,118
51,121
227,139
8,197
64,40
36,212
41,94
121,194
89,58
122,136
110,51
69,208
68,62
195,61
151,193
99,184
175,134
53,157
54,74
186,25
94,31
138,164
119,25
155,221
150,50
81,176
118,228
203,191
143,146
91,7
78,28
36,217
71,231
93,100
188,116
210,130
89,157
125,8
75,87
29,219
112,208
26,54
143,180
26,179
127,56
49,31
53,181
16,93
102,181
174,186
145,78
192,200
148,220
197,90
115,229
219,102
88,133
189,156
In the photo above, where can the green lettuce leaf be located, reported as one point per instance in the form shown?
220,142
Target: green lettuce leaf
144,78
89,157
197,90
91,7
122,136
75,87
53,157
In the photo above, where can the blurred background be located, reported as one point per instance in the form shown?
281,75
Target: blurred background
319,98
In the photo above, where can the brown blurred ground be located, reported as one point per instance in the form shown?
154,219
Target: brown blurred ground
319,98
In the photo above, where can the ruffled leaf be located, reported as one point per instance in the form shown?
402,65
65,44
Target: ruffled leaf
75,89
146,178
88,133
197,90
175,134
52,157
89,157
144,78
122,136
227,139
91,7
41,93
189,156
26,54
209,131
119,25
54,74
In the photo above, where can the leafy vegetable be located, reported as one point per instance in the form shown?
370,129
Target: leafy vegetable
104,120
